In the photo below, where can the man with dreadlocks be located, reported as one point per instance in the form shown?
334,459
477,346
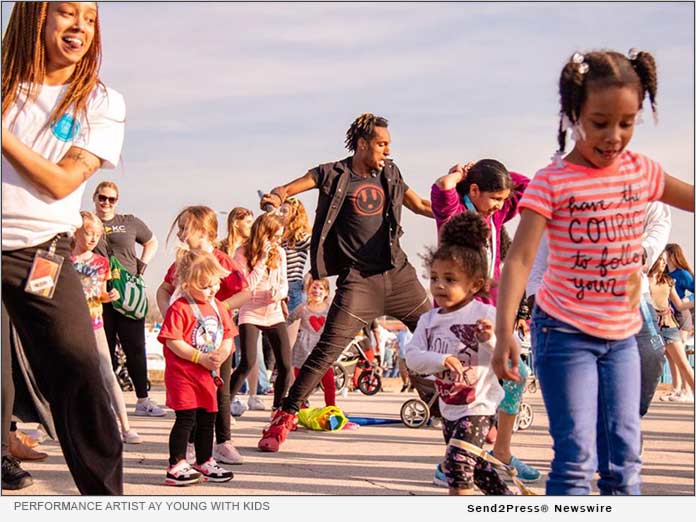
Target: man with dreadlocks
60,124
356,237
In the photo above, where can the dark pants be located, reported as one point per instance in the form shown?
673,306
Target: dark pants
59,343
222,419
249,336
8,390
131,334
186,420
359,299
651,350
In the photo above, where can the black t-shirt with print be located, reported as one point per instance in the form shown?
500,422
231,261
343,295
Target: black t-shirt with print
123,232
361,230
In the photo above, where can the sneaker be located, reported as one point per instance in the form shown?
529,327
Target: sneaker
668,396
181,474
21,451
238,407
13,476
525,472
677,397
277,431
148,408
436,422
440,479
190,453
226,453
256,404
131,437
212,472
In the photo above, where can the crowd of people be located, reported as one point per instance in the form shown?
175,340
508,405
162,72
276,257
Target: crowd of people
590,258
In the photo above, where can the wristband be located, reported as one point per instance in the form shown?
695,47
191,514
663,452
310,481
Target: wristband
281,193
196,355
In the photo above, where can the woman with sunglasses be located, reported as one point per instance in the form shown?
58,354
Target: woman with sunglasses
121,233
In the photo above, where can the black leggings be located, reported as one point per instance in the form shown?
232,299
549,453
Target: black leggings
278,335
131,334
222,419
204,421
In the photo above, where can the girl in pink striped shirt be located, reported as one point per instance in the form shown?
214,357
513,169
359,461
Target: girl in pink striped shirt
593,203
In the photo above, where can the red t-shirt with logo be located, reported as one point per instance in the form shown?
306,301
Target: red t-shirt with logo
190,385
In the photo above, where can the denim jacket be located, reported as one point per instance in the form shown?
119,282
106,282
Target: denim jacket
332,180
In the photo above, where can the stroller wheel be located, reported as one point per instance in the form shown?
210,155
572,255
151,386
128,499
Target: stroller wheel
532,386
415,413
525,417
369,383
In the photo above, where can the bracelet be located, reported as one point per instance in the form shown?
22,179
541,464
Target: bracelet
281,193
196,355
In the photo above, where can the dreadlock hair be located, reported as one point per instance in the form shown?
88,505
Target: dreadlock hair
363,127
24,62
463,240
601,69
489,175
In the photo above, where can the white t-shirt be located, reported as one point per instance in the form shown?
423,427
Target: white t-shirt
439,335
30,216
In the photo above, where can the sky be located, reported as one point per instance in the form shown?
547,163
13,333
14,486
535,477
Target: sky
224,99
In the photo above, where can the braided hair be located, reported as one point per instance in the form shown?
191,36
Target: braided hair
363,127
464,241
24,61
603,69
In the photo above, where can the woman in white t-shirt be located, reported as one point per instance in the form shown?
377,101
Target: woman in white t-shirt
60,124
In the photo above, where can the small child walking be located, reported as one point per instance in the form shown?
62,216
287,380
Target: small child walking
312,317
197,337
94,273
455,342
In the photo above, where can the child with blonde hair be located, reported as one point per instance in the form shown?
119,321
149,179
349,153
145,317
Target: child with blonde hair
312,318
197,337
197,228
94,273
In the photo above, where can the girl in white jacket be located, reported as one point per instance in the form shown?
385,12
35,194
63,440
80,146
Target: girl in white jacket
455,342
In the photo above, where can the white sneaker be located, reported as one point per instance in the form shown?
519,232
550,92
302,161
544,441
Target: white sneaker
190,453
148,408
226,453
131,437
238,407
181,474
256,404
668,396
212,472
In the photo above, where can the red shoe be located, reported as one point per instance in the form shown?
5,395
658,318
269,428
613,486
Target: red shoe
492,435
275,434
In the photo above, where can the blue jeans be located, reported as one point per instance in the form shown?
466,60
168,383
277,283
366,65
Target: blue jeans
295,294
591,390
652,355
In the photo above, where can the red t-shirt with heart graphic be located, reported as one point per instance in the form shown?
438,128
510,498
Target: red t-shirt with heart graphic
311,326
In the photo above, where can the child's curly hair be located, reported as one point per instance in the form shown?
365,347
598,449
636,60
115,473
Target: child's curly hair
463,240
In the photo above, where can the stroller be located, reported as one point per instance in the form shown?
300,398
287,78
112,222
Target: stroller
367,372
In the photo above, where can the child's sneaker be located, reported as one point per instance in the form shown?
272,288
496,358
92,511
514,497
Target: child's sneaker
238,407
277,431
131,437
190,453
212,472
181,474
148,408
440,479
256,404
226,453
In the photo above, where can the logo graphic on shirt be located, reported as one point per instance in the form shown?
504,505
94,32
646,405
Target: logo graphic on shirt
204,336
66,128
369,200
462,392
317,322
110,229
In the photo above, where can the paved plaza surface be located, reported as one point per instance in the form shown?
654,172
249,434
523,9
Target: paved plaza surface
372,460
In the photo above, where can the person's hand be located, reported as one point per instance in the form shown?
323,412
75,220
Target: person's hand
211,360
484,330
506,351
455,367
271,199
284,307
634,289
113,295
265,251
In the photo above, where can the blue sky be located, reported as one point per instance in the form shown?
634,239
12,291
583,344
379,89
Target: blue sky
227,98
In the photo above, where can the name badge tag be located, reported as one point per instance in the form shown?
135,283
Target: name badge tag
44,274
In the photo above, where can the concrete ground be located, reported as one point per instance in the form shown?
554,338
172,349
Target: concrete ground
372,460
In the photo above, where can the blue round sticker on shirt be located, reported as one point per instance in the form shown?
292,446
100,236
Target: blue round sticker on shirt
66,128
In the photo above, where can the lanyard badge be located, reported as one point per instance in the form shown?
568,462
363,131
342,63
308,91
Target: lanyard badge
44,272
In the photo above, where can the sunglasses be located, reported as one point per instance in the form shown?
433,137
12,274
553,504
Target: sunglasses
103,199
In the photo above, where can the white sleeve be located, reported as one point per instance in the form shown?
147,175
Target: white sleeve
541,262
658,222
102,134
418,358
